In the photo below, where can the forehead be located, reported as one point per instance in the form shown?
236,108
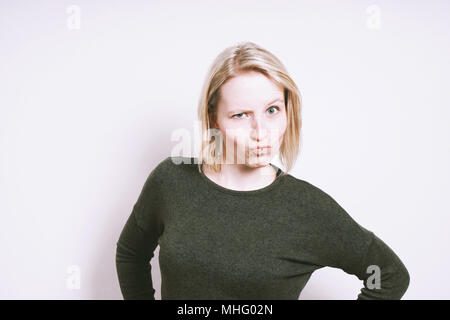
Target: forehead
250,89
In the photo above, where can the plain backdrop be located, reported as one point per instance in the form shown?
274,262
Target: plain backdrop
92,91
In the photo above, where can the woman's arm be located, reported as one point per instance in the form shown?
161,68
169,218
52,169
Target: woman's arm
385,276
340,242
133,254
137,243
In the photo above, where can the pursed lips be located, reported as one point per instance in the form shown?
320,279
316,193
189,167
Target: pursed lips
261,149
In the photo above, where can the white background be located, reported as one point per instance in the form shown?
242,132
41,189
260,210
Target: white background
86,113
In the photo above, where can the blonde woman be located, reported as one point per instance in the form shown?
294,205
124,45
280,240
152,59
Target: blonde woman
232,225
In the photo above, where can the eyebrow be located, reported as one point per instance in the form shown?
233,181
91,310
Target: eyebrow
240,110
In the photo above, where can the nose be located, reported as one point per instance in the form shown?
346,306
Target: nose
258,130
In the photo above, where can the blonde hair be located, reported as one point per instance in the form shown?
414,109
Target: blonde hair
242,57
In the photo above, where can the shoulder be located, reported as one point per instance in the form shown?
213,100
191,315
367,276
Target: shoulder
306,189
175,164
161,179
315,202
326,212
170,163
172,166
305,185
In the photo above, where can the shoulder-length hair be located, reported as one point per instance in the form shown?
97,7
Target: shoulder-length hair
242,57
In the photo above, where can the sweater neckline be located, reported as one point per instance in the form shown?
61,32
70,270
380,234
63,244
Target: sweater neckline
220,188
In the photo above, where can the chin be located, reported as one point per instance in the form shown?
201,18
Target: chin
256,162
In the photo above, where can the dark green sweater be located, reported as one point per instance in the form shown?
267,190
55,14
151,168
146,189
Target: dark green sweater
218,243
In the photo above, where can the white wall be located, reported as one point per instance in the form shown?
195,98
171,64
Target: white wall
86,113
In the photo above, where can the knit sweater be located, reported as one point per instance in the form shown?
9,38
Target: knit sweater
220,243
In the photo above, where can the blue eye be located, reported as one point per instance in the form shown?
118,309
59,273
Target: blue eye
274,107
236,116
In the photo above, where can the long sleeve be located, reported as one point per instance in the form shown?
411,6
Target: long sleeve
137,243
343,243
393,275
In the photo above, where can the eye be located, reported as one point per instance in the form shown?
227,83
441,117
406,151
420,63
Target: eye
274,107
237,115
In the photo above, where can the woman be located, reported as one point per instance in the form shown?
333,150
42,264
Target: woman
236,226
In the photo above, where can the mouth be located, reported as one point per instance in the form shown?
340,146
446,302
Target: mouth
261,150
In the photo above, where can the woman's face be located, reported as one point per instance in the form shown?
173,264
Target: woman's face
251,116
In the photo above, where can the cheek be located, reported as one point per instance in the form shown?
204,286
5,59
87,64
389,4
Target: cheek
277,131
237,138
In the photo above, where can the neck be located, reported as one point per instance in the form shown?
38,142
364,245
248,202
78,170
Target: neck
242,177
